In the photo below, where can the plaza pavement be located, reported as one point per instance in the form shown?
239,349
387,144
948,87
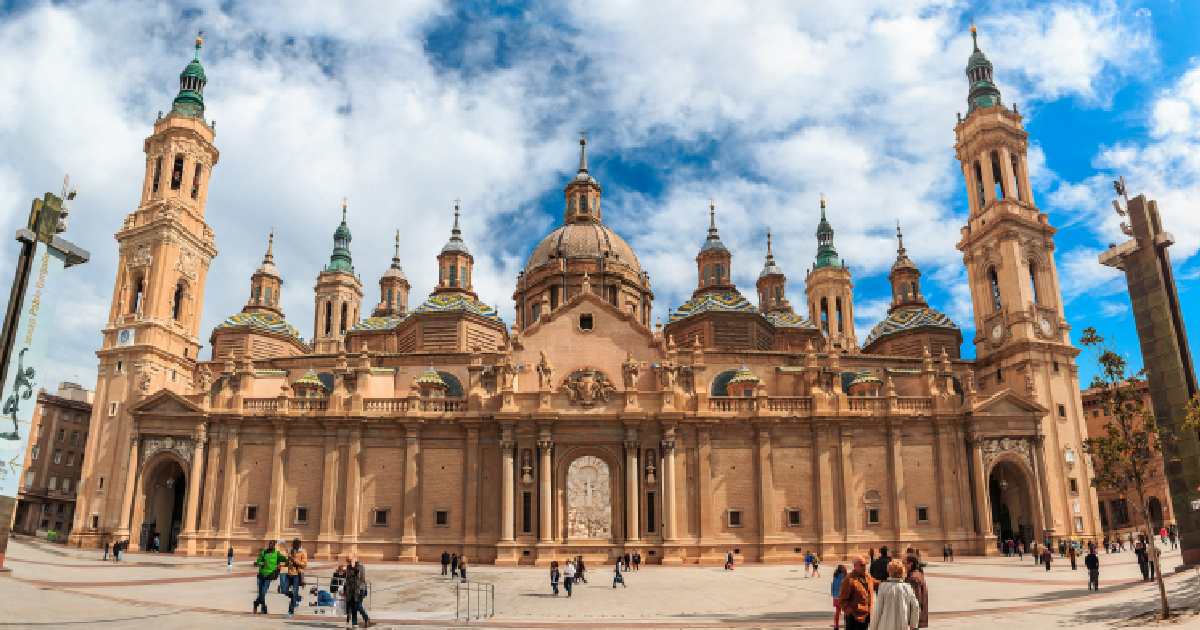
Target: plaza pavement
56,587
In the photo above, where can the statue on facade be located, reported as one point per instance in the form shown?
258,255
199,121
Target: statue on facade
526,467
651,469
631,369
545,372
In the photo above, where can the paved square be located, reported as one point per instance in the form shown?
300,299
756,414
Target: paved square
52,586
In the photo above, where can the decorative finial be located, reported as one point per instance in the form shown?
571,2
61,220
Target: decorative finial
397,253
270,244
712,214
199,44
900,239
345,202
457,210
768,242
583,167
974,37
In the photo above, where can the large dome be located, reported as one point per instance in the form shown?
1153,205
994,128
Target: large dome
583,240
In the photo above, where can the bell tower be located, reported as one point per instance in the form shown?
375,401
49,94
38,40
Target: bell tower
339,294
455,264
830,291
151,338
1022,339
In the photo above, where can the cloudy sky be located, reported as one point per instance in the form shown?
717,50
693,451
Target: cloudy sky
404,106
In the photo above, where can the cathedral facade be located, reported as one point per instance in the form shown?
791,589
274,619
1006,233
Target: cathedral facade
581,428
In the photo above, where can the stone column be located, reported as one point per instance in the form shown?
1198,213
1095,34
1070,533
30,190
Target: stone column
229,495
353,517
209,490
631,486
506,490
275,510
668,477
766,487
983,517
850,502
823,485
326,535
1006,171
412,489
704,472
946,507
989,184
130,487
899,494
471,491
545,520
1043,499
193,492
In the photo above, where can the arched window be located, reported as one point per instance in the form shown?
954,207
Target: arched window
553,297
841,325
345,318
388,300
994,288
453,275
196,182
454,388
720,273
825,315
177,304
979,185
157,174
177,172
269,296
462,274
535,312
720,384
997,177
135,304
328,318
1033,284
1016,169
583,204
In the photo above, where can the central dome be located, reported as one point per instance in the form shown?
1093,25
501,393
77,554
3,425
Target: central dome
583,241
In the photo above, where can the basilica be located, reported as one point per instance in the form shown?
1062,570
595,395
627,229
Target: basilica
403,428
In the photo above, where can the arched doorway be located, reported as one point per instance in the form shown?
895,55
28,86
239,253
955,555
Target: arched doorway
589,499
1156,514
164,487
1012,505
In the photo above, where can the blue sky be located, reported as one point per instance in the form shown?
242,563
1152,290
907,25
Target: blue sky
403,107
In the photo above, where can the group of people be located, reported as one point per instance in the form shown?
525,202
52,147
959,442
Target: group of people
290,567
812,564
888,594
574,572
117,549
457,565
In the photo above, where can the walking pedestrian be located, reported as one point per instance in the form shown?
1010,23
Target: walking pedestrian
1092,562
816,565
268,562
617,577
580,570
946,552
728,560
857,596
879,566
569,577
1172,537
297,562
807,563
1071,554
229,560
835,589
628,560
637,560
1047,557
896,606
106,546
462,568
554,577
445,562
356,589
454,565
916,580
1020,551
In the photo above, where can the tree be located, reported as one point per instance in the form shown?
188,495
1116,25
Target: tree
1125,453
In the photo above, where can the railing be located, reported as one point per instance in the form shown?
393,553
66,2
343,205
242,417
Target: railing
474,600
264,405
790,404
389,405
729,404
442,405
309,404
914,403
862,403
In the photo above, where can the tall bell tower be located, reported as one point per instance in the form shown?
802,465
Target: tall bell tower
1022,339
151,338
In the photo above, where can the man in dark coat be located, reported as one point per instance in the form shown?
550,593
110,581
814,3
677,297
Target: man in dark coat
445,561
1092,562
878,568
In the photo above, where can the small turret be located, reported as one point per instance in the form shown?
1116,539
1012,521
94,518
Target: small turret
393,287
714,260
265,284
455,263
772,284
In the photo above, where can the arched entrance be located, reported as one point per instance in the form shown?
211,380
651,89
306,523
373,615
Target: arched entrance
164,487
1156,514
1012,505
589,499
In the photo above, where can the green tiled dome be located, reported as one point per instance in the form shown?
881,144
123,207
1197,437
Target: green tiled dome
262,321
787,319
905,319
453,302
725,301
383,322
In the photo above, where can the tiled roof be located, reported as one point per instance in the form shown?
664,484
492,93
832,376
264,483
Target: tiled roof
383,322
266,322
310,379
449,303
431,377
727,301
788,319
903,319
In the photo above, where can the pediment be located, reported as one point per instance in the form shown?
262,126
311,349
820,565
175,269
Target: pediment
165,402
583,303
1006,402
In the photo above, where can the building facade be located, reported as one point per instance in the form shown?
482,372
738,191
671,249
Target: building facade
53,461
582,428
1117,516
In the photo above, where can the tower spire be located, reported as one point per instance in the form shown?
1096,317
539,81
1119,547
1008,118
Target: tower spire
455,244
396,252
983,91
900,241
269,257
190,100
827,255
340,259
583,167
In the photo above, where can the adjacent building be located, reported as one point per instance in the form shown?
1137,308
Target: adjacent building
1117,516
53,461
582,428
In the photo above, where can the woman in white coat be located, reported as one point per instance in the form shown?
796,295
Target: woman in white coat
896,606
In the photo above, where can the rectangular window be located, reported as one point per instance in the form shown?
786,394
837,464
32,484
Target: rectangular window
1079,523
70,459
66,488
62,433
526,513
101,486
196,182
53,484
1075,507
793,518
33,452
922,514
380,517
1056,367
1062,410
112,409
57,456
250,514
872,516
74,438
177,173
301,515
651,517
1074,483
441,518
95,521
735,518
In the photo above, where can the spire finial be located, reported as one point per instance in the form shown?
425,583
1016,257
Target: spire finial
397,252
712,214
583,167
768,242
271,243
822,206
899,239
457,210
974,37
199,44
345,202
